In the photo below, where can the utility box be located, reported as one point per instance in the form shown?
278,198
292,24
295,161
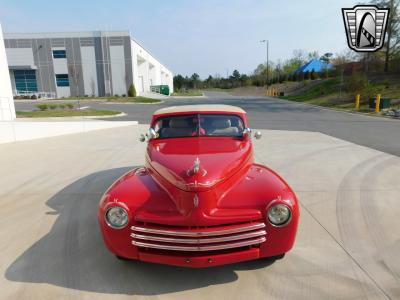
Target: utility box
385,103
160,89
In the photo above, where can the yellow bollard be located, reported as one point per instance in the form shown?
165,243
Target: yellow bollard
377,103
358,102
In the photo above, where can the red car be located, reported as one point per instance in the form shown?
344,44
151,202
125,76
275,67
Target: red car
200,200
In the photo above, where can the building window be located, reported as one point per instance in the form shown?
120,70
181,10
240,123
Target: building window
59,54
25,80
62,80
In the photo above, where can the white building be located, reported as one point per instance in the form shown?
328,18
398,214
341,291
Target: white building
97,63
7,109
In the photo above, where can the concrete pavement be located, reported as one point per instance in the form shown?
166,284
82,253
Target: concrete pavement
347,245
271,113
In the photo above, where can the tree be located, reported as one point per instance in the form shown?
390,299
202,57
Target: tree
75,75
235,75
93,86
313,55
132,91
392,41
179,82
194,78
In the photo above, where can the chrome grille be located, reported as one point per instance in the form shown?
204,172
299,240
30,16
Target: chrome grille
205,239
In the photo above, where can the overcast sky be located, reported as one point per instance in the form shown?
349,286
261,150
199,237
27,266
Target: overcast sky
207,37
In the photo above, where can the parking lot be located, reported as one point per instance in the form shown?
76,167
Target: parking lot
347,245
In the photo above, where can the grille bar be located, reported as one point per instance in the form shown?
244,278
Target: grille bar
198,233
200,240
201,248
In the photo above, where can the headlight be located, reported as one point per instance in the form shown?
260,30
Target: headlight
116,217
279,214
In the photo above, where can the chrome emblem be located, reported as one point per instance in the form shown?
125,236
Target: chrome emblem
365,27
196,169
195,201
196,166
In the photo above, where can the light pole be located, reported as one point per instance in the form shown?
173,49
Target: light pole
267,42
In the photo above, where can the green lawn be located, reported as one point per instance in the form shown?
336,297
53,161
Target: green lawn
133,100
189,93
322,90
326,94
65,113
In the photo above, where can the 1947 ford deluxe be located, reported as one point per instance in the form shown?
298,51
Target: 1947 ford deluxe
199,200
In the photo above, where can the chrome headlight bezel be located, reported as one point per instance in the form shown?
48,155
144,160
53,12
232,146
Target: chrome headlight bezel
272,209
114,225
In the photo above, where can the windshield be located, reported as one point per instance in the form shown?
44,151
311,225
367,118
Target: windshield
199,125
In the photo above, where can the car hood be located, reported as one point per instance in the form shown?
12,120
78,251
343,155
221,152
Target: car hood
198,163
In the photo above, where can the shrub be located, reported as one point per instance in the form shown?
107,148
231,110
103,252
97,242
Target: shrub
42,107
61,106
359,84
132,91
116,95
33,97
53,106
124,95
69,106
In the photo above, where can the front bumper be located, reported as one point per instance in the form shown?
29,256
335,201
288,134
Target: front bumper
199,261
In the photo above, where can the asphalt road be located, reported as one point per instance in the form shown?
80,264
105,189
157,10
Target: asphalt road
270,113
347,246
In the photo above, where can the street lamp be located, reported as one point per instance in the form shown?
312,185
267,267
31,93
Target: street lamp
267,42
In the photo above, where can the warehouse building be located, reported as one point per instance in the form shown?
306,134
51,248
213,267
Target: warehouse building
97,63
7,109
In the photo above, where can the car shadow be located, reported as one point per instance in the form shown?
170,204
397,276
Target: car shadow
73,255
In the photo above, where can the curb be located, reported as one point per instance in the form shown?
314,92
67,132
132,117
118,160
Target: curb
73,118
130,103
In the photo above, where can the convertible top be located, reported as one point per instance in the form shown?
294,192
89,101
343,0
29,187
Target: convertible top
199,108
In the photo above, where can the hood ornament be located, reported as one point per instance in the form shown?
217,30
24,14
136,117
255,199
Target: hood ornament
196,168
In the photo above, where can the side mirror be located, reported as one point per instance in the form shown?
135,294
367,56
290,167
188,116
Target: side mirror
257,135
151,134
246,132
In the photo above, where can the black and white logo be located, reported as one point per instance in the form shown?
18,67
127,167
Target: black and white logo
365,27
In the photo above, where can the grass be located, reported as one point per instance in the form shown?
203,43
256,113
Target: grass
134,100
65,113
323,90
326,94
188,93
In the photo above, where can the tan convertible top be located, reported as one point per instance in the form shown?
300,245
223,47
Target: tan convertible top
199,108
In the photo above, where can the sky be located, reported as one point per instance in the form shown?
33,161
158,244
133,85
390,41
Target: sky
209,37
